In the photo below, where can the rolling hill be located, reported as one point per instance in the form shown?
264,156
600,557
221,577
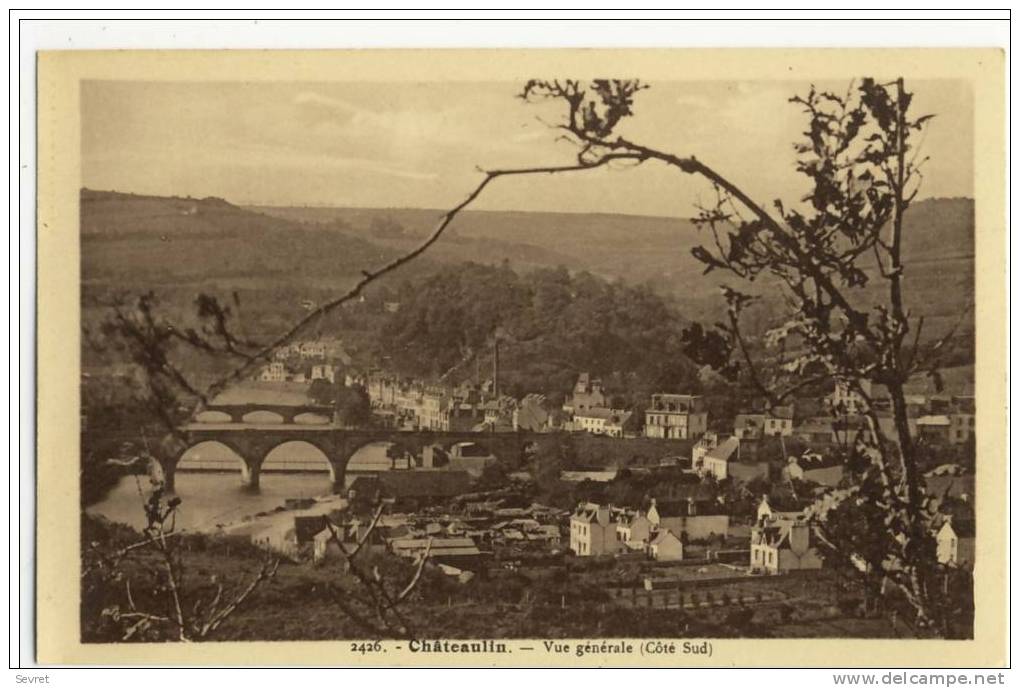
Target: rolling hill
276,258
938,247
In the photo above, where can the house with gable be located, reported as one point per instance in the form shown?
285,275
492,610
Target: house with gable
587,394
707,442
690,519
781,545
665,546
778,422
633,529
593,531
824,469
955,542
771,510
716,461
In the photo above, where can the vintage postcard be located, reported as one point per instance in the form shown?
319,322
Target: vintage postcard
522,358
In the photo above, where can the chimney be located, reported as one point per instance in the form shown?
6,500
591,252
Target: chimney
495,367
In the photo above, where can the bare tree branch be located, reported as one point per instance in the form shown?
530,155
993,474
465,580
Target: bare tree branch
370,276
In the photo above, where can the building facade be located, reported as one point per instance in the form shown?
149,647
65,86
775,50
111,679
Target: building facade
676,416
592,531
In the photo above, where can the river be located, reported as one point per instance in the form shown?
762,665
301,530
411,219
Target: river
212,496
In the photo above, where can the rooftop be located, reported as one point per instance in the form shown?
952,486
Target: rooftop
934,421
725,450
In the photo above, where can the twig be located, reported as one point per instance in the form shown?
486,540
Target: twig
417,574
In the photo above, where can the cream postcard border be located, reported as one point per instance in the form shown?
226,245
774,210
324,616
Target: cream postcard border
58,319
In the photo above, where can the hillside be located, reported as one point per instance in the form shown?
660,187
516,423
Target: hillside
278,258
151,240
938,247
179,247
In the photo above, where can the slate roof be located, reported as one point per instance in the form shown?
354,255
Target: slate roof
586,512
663,536
725,450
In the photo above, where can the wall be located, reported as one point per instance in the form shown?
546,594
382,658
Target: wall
697,527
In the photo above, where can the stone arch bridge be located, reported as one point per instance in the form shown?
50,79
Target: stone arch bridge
253,431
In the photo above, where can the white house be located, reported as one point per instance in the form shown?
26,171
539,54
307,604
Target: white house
592,419
716,461
274,372
665,546
313,349
323,371
776,423
601,421
708,442
632,529
592,531
782,545
676,416
955,542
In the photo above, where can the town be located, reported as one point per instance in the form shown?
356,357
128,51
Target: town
686,511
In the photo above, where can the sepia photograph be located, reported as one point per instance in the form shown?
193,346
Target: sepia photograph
552,364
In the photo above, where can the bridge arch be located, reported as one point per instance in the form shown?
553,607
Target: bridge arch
263,416
366,446
213,417
315,455
215,458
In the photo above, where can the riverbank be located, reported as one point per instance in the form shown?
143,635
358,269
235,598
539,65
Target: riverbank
211,502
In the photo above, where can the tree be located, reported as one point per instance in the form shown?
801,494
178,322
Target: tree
164,603
374,605
322,392
354,408
864,169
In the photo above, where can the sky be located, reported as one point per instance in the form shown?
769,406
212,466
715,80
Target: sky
422,144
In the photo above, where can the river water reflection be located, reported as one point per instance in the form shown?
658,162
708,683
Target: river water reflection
211,498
